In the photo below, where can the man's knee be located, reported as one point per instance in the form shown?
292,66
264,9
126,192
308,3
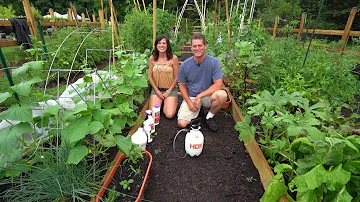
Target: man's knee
220,95
183,123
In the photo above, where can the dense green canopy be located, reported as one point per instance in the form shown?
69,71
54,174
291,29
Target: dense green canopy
334,15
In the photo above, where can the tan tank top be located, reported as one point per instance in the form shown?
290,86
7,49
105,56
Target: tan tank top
163,74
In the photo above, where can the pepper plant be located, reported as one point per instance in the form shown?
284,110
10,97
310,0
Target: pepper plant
238,65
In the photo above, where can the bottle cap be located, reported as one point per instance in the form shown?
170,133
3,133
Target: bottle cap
156,105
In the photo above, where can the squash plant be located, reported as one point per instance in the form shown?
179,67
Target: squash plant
319,157
18,121
105,106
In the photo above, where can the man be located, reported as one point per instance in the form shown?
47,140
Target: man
200,84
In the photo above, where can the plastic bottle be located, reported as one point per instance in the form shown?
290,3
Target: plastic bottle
147,130
150,120
139,138
156,114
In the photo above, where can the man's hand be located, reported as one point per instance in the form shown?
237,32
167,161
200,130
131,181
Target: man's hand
192,106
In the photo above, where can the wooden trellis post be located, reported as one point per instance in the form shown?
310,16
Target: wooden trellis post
143,1
70,18
83,17
345,36
154,22
228,22
102,20
30,17
275,25
51,12
302,21
93,18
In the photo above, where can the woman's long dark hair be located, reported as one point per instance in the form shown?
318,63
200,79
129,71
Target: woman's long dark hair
155,52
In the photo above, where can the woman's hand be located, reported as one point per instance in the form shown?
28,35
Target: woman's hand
165,95
160,95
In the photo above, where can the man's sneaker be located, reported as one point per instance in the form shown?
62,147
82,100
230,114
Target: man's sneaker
211,124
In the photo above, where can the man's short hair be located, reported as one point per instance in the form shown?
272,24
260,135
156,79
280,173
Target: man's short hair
199,36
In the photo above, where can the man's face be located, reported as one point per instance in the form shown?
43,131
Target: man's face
198,47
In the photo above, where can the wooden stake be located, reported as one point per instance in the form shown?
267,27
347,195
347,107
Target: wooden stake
275,25
345,36
138,5
70,18
144,6
83,17
87,14
164,4
93,17
112,31
154,22
302,21
102,20
214,20
228,23
51,12
136,8
259,24
30,17
73,11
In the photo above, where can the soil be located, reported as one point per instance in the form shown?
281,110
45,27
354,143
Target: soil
223,171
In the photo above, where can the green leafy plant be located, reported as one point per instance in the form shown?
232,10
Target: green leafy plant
238,66
306,145
126,184
58,181
135,171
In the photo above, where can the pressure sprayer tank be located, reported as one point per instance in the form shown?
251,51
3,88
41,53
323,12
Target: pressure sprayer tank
194,141
139,138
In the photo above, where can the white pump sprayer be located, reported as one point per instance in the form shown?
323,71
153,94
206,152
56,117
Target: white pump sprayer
194,139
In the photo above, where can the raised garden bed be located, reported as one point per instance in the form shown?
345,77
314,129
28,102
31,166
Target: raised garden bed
225,171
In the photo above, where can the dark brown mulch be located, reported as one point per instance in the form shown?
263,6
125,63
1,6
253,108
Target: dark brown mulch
223,172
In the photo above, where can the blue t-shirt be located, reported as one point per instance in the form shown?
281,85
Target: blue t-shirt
198,78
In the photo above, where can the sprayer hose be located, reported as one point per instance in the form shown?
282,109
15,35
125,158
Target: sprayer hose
185,130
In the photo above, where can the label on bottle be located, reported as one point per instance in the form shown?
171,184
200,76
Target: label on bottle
157,117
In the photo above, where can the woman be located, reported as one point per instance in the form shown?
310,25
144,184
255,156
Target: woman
163,73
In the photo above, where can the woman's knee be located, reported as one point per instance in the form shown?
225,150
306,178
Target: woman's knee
169,115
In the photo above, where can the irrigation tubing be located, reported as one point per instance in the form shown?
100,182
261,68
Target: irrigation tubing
313,32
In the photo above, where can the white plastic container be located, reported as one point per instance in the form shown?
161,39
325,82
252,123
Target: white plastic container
156,114
150,120
147,130
194,142
139,138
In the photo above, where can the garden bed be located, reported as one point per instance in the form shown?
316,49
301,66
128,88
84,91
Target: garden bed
223,172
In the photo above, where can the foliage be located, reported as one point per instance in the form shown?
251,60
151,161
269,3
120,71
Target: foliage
66,57
326,75
307,145
137,30
238,66
282,8
101,119
7,12
126,184
57,180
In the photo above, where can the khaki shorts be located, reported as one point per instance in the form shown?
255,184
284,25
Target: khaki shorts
185,113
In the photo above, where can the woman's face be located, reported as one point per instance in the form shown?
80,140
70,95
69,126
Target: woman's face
162,46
